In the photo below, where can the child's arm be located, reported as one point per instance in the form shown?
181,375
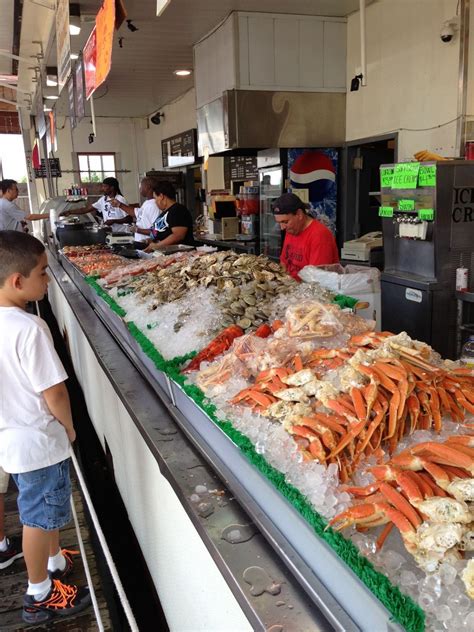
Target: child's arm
57,400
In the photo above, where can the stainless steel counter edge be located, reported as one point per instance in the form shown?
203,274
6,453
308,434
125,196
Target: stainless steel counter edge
179,461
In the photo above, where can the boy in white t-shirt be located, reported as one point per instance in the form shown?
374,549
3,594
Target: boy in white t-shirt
36,429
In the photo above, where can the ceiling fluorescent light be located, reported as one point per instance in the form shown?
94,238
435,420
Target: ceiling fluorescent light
74,19
161,6
182,73
74,56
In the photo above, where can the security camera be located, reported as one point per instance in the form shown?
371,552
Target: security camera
156,118
448,30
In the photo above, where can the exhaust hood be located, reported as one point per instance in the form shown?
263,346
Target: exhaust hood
260,118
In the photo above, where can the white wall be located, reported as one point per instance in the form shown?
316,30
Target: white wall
123,136
135,142
267,51
180,115
411,75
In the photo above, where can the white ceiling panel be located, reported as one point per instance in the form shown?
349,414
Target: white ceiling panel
6,35
141,80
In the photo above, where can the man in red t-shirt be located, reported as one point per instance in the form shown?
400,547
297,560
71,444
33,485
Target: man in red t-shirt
307,241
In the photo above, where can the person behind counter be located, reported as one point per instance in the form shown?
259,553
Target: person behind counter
307,241
145,214
174,224
11,216
111,216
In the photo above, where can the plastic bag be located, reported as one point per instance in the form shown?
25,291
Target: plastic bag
311,319
350,280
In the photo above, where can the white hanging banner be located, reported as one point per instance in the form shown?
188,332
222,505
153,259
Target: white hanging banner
63,43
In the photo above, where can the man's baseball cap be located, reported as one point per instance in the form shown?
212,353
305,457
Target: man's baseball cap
288,203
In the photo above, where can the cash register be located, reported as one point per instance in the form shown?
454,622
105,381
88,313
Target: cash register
360,249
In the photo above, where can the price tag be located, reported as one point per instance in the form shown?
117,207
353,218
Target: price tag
386,211
406,175
427,176
426,214
386,177
406,205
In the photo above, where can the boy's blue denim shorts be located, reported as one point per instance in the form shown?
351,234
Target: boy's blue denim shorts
44,496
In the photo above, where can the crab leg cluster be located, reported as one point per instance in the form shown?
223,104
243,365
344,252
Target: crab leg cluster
427,492
389,387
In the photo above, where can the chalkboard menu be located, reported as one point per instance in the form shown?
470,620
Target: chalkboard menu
175,177
54,166
179,150
243,168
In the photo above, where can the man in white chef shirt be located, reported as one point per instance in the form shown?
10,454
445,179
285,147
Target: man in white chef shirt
111,216
145,214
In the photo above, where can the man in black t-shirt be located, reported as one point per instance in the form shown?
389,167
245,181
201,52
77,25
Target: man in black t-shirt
174,224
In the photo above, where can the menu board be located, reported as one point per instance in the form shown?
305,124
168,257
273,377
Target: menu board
175,177
79,91
54,166
89,54
71,94
243,168
179,150
40,117
63,43
105,24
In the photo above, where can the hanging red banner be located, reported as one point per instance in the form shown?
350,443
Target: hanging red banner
89,55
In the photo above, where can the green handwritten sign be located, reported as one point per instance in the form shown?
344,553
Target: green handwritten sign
406,175
386,211
406,205
426,214
386,177
427,176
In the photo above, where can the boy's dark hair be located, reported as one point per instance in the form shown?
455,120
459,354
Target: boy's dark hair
19,252
166,188
7,184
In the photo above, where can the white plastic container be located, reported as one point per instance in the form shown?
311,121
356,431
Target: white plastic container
462,279
467,353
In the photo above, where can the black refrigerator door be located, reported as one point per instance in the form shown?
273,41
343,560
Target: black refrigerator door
407,309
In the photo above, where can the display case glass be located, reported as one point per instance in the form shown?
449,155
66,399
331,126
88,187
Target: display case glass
271,187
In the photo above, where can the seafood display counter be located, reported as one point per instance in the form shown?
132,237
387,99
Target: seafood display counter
262,461
210,564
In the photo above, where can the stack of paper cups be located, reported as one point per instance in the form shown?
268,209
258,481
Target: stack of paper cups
461,279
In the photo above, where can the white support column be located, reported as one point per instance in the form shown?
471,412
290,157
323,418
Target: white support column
25,125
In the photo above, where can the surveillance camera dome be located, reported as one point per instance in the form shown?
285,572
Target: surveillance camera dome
448,31
156,118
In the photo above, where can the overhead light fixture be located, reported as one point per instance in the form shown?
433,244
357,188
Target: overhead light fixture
182,73
74,56
51,76
74,19
161,6
355,82
46,108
